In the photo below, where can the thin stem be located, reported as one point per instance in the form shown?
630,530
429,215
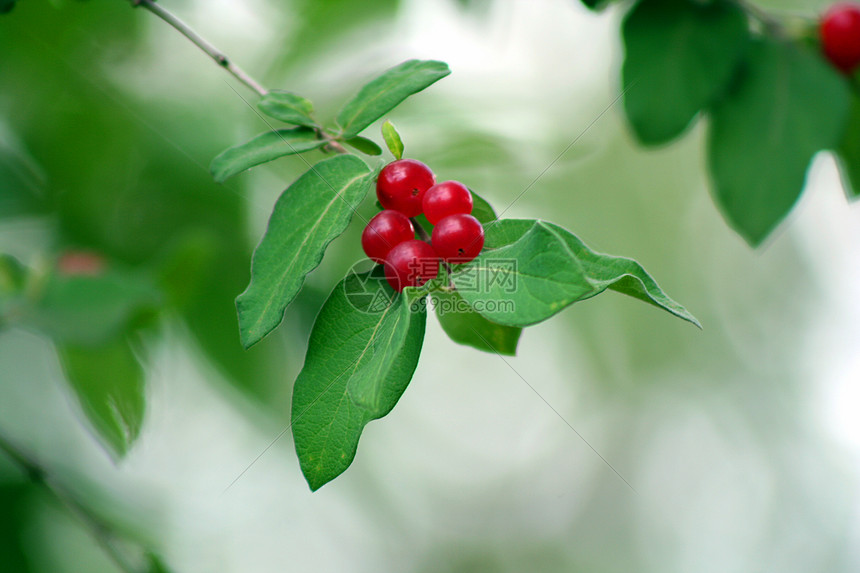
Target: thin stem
426,238
420,230
332,143
100,531
220,57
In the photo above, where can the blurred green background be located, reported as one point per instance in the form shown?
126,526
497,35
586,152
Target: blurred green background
742,441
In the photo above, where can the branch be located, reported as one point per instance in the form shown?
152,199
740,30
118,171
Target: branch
220,57
100,531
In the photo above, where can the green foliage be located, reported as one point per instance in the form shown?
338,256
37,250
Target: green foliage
597,5
481,209
788,105
108,382
390,338
12,277
156,564
386,92
553,269
14,499
366,340
310,214
90,309
849,152
326,421
364,145
680,57
90,318
392,140
262,149
288,107
465,326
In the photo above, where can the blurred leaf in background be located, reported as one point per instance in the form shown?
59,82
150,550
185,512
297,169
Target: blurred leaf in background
14,512
122,175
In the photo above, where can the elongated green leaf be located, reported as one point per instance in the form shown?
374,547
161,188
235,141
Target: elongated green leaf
309,215
326,421
288,107
849,153
481,210
788,106
387,91
465,326
108,381
531,270
367,386
91,309
680,57
366,146
392,140
262,149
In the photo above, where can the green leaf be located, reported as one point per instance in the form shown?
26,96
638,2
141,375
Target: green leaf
288,107
16,499
155,564
597,5
481,210
392,140
13,275
789,105
308,216
326,421
91,309
367,385
264,148
108,381
465,326
366,146
680,57
6,6
849,153
387,91
531,270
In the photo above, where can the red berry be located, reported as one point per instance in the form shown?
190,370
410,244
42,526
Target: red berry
81,263
401,186
384,232
446,198
412,263
840,35
458,238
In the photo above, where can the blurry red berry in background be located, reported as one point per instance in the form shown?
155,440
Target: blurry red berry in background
81,263
840,35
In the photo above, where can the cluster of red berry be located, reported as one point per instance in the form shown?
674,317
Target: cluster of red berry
406,188
840,36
